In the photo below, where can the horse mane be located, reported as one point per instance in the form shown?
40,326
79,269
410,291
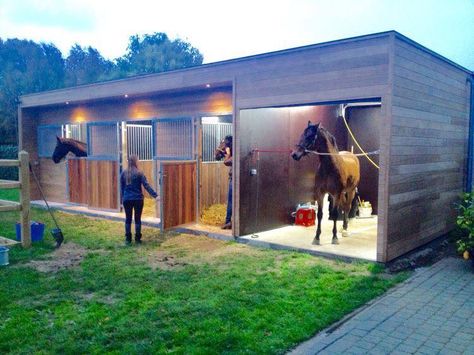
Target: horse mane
331,146
75,143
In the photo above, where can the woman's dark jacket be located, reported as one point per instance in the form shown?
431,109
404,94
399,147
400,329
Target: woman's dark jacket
133,190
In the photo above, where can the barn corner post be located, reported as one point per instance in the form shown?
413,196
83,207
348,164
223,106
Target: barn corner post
384,159
23,157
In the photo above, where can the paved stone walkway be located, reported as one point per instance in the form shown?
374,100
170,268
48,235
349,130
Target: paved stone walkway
431,313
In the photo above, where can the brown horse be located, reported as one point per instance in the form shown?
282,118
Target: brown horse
338,174
220,151
66,145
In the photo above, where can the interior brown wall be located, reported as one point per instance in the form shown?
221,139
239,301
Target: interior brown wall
365,124
268,198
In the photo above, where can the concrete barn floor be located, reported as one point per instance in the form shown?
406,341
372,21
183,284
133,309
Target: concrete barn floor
361,244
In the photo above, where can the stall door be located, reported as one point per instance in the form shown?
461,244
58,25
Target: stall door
103,158
77,180
174,154
178,188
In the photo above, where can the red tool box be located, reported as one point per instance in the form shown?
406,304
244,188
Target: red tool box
305,216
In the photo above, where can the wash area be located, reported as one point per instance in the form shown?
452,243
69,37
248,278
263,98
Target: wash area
278,184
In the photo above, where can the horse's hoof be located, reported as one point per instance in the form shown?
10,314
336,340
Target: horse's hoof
316,242
345,233
335,241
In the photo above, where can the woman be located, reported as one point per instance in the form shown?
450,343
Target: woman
228,162
131,182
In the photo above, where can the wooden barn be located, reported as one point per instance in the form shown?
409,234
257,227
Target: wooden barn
407,104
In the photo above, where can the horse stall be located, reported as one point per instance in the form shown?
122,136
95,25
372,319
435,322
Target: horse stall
76,167
213,174
277,184
137,138
174,156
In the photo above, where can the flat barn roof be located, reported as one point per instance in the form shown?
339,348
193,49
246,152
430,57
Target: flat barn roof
116,88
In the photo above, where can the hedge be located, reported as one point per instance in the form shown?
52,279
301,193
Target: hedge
8,151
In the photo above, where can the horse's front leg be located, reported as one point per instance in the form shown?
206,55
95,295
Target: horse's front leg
316,240
345,223
348,205
334,216
334,228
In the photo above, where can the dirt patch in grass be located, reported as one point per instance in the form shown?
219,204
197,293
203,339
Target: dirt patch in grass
164,261
190,249
69,255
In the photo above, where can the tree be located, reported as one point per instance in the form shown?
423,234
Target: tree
86,65
28,67
25,67
156,53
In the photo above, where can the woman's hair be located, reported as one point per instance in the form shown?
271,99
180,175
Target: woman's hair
132,168
228,143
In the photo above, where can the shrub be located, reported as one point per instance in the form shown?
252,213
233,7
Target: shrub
8,151
465,222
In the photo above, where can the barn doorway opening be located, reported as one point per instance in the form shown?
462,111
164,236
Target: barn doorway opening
272,184
213,174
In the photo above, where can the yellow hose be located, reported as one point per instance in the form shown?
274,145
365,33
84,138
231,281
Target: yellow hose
357,143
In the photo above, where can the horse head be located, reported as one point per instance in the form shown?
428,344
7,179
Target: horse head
220,151
66,145
307,141
60,151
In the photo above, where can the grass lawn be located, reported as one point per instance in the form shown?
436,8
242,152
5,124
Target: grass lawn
175,293
10,194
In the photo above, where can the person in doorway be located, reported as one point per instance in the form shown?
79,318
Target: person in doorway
131,182
228,162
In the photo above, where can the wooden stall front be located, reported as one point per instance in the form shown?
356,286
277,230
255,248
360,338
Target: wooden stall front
178,193
77,178
102,180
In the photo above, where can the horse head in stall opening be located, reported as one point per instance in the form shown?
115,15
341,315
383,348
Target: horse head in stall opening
338,174
66,145
220,153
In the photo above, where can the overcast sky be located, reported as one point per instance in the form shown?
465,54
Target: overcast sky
229,29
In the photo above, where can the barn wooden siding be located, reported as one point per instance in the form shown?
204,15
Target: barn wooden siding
341,71
209,102
430,117
53,177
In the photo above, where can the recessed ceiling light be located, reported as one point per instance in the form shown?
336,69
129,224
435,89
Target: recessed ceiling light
208,85
126,95
67,102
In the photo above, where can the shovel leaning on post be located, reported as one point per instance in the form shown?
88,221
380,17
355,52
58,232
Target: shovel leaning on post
55,232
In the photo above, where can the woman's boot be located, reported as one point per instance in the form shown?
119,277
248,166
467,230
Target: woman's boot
138,233
128,234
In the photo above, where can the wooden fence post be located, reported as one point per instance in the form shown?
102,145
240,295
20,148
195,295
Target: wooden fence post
24,177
